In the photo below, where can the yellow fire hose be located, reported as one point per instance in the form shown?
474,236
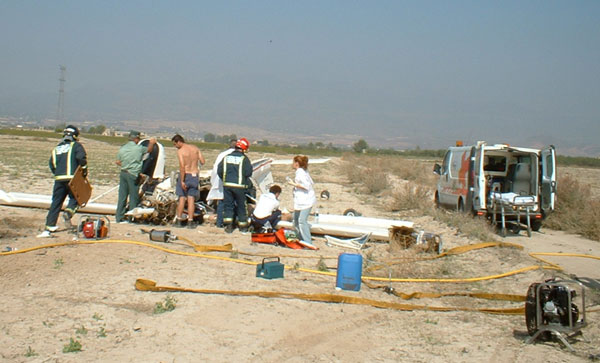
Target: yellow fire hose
327,273
147,285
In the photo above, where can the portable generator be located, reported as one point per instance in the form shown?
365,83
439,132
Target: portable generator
93,227
550,310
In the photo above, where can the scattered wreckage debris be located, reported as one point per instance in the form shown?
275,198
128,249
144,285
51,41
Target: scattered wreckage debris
158,204
357,243
351,226
402,238
160,236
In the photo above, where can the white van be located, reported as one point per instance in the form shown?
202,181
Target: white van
477,178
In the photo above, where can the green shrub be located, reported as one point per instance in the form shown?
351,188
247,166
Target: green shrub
168,305
72,347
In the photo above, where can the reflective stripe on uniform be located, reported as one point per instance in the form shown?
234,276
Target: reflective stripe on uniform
234,160
68,173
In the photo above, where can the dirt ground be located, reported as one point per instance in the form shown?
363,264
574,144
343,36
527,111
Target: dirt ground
62,290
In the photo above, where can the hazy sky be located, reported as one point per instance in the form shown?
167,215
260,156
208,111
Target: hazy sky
420,72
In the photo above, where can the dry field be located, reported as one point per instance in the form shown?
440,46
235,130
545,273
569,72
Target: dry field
65,301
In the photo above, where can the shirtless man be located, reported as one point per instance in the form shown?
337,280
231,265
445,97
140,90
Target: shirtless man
187,184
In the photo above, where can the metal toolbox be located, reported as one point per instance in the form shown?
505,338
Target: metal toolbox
270,270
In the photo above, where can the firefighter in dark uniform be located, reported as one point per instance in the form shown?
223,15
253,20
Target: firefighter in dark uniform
235,170
65,158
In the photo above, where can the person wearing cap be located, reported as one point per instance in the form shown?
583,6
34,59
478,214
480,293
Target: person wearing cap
187,183
235,171
65,158
129,158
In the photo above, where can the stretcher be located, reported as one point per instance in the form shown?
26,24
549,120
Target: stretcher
511,205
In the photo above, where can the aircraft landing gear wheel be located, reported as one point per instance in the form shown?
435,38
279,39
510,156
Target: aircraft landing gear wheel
516,228
351,213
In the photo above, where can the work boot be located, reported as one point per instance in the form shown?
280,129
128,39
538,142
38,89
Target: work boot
45,234
229,228
178,223
67,218
191,224
244,230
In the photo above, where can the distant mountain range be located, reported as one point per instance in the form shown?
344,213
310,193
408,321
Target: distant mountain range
280,113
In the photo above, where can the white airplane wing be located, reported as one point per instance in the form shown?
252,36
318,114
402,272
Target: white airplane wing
289,161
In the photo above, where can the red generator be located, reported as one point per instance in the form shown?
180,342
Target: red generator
93,227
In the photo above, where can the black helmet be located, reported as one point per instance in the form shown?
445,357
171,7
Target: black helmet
71,131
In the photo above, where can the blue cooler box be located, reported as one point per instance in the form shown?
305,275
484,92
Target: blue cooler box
349,271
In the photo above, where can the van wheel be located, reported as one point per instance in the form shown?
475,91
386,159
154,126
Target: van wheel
436,200
461,206
536,225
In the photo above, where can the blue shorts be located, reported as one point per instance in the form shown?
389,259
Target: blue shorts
191,182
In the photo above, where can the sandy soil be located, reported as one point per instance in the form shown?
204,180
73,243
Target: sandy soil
86,292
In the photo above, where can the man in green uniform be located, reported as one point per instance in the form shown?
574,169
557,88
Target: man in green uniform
129,159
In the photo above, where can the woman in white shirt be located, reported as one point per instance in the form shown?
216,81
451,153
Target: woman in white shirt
304,199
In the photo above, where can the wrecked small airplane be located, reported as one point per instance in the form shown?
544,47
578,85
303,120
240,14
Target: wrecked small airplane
159,201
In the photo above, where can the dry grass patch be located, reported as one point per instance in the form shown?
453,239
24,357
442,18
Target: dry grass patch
576,209
369,173
412,196
411,188
466,224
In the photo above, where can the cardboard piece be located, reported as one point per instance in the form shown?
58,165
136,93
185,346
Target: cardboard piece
80,187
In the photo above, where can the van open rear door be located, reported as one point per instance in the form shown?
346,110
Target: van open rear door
548,174
479,182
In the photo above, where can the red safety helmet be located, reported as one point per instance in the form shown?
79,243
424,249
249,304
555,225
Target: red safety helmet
243,144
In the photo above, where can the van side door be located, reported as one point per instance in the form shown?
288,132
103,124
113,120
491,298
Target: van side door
548,178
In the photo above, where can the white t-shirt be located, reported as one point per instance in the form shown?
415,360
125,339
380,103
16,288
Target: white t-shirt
266,205
303,198
216,184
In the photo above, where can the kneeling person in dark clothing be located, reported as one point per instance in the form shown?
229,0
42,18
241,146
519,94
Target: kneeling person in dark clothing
267,209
